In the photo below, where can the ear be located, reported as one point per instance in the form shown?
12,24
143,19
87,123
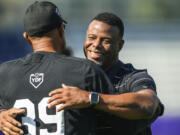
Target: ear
61,30
25,35
121,43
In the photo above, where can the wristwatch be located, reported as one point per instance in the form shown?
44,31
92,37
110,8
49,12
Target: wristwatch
94,98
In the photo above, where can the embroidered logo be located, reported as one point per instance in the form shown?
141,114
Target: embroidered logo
36,79
57,12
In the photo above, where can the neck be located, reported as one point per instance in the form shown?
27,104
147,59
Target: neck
46,45
108,66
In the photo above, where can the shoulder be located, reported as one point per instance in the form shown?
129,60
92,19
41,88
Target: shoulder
72,59
12,66
138,74
136,79
83,64
140,79
132,72
8,64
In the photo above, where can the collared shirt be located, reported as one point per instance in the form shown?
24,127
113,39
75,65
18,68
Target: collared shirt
126,78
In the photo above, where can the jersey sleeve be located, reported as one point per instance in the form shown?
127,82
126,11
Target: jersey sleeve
140,80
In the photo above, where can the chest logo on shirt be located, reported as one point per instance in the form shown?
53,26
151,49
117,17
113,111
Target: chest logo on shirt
36,79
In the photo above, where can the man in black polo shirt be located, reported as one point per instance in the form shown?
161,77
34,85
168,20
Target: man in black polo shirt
27,82
134,104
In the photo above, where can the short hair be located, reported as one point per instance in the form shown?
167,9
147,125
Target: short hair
111,19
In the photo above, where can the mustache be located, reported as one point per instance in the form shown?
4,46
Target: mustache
96,51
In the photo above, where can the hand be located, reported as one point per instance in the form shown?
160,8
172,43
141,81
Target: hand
68,97
8,124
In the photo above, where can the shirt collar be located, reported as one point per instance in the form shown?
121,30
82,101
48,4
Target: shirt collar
115,69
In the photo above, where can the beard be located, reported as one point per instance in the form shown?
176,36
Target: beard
100,63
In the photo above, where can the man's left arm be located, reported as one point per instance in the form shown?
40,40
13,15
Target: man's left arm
133,105
137,105
141,102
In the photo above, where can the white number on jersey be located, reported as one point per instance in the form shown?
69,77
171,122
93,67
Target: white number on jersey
28,120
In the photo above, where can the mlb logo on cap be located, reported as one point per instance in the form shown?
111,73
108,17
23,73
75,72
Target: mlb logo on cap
42,17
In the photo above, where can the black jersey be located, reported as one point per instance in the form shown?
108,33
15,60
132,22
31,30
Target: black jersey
26,83
126,78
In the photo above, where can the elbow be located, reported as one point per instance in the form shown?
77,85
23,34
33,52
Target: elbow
149,106
149,110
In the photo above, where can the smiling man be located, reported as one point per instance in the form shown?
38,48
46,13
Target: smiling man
103,43
133,105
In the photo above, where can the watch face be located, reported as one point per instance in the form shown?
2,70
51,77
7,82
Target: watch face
94,98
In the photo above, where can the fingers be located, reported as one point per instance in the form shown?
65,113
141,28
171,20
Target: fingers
61,96
8,124
11,129
62,107
8,128
13,122
60,90
54,97
15,111
56,102
57,91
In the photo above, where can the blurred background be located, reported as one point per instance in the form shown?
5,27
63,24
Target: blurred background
152,41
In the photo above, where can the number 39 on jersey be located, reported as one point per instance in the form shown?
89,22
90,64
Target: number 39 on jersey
56,119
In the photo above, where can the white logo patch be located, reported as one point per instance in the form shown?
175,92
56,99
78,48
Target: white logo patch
36,79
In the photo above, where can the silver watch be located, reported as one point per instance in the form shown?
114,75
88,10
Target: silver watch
94,98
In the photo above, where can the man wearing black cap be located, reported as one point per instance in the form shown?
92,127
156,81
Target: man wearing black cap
26,83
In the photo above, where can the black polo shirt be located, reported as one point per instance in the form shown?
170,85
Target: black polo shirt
126,78
26,83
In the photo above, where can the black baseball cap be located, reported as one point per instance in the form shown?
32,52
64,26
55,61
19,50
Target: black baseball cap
42,17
